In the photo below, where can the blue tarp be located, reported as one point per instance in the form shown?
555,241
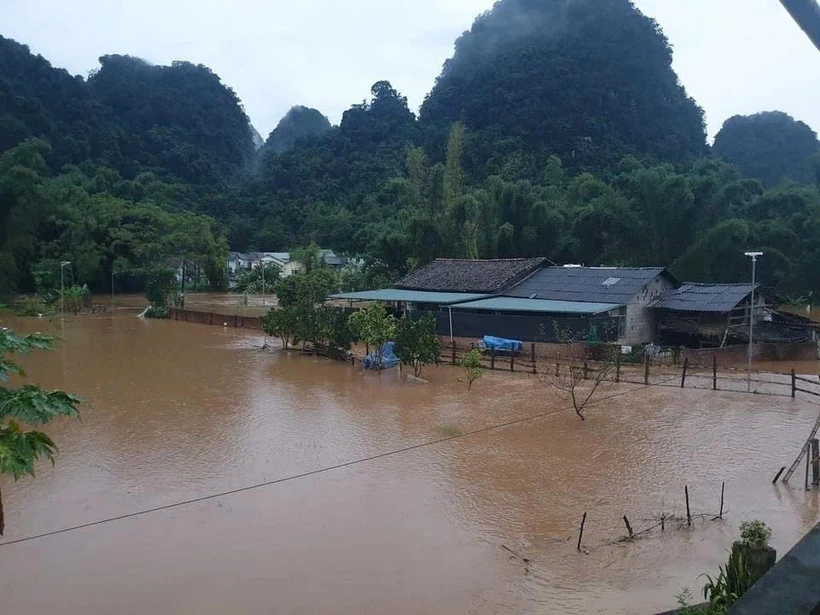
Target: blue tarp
499,344
389,358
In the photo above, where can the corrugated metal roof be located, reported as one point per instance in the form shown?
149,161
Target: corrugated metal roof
588,284
411,296
703,297
514,304
470,276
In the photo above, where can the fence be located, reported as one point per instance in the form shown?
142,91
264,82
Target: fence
213,318
659,370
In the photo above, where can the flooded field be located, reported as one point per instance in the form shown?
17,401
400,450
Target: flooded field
178,412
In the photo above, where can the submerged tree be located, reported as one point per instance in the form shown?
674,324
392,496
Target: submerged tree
374,326
29,405
573,378
471,364
416,342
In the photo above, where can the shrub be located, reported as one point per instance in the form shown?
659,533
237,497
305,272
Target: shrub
755,533
157,312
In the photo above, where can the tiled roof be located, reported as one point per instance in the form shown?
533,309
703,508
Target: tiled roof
470,276
703,297
588,284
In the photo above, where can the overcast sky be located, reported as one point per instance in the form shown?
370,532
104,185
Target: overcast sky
733,56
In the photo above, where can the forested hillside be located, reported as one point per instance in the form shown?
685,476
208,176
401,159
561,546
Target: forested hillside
772,147
299,123
589,81
557,129
179,122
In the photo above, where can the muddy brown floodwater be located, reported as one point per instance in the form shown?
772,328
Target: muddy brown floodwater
178,411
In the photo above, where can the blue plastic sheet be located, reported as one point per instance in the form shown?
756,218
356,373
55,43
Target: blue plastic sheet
499,344
389,358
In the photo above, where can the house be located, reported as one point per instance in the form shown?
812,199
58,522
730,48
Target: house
627,291
238,261
526,299
282,260
711,315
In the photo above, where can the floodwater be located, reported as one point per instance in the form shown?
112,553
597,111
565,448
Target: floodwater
180,411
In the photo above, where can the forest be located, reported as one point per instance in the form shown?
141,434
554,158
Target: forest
556,129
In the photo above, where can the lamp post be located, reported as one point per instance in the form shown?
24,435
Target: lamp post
262,265
753,256
63,265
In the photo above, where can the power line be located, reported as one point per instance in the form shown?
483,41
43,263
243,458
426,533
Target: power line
293,477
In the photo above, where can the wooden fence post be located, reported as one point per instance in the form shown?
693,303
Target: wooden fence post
722,489
492,358
646,370
683,375
628,527
532,355
454,352
512,363
586,369
794,382
581,533
815,462
235,320
688,514
714,372
617,365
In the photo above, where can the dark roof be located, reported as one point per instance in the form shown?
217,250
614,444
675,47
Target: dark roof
591,284
703,297
470,276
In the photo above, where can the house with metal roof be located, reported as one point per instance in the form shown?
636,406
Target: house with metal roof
709,314
628,291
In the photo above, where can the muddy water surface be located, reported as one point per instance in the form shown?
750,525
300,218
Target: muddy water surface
179,411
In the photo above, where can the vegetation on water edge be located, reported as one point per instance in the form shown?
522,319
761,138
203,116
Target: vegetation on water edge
27,405
733,580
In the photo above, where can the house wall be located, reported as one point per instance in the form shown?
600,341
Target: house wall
525,327
641,324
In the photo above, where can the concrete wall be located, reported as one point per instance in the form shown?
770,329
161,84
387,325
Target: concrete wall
640,326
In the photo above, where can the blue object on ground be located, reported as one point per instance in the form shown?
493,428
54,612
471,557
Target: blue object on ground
499,344
389,358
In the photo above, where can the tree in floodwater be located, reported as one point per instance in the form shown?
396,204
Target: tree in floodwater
374,326
30,405
574,379
471,364
416,342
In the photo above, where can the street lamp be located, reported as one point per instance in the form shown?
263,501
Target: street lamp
63,265
753,256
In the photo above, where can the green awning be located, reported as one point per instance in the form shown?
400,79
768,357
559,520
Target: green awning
409,296
515,304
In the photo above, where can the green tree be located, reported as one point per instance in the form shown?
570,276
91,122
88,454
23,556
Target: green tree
281,323
160,282
20,448
375,327
471,366
416,342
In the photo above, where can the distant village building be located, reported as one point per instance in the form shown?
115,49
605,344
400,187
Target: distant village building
287,266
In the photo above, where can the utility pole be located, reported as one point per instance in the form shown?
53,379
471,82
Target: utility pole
753,256
63,265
